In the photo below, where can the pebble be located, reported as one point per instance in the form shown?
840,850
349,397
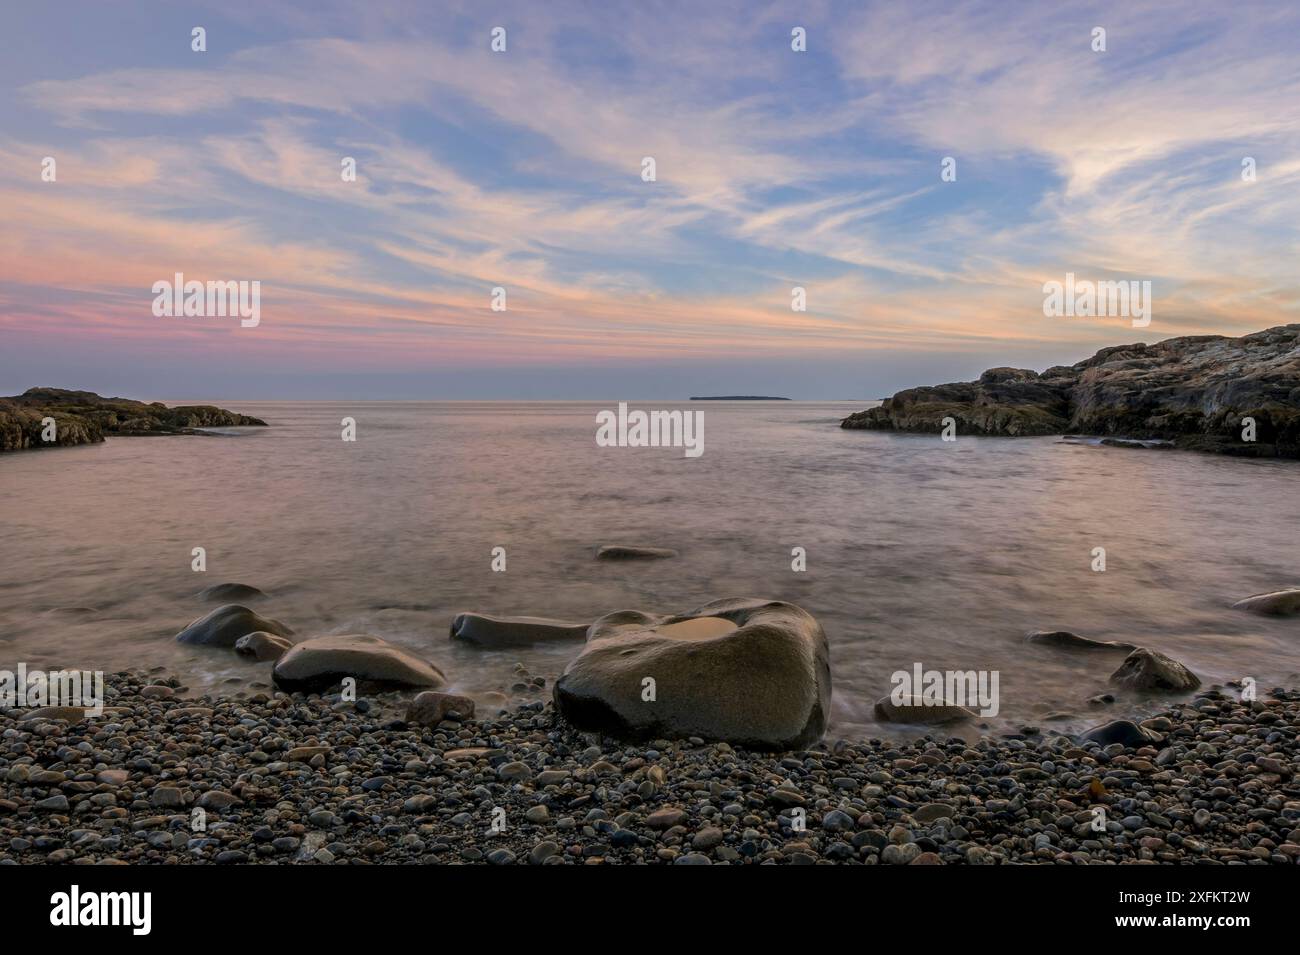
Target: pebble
294,778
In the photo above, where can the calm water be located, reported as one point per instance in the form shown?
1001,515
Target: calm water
917,550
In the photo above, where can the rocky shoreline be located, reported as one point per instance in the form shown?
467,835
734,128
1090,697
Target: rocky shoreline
83,417
1238,396
294,778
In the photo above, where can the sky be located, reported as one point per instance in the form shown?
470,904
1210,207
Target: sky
522,169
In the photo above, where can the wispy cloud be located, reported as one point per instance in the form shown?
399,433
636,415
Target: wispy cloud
774,168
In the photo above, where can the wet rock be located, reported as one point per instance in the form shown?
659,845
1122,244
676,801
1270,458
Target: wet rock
1124,732
322,662
226,624
1279,603
916,710
262,646
744,671
490,632
626,552
431,707
229,593
1150,670
1066,640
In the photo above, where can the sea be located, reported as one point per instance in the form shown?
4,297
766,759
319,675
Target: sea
911,551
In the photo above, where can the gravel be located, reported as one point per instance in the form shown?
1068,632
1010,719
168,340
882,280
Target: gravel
160,778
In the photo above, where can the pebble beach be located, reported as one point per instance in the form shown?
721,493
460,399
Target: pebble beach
313,779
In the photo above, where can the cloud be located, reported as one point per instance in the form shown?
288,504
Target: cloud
774,169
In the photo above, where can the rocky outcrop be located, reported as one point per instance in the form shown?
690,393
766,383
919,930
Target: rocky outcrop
481,630
1280,603
82,417
225,625
1150,670
322,662
1194,391
749,672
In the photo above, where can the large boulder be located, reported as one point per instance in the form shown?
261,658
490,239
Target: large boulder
226,624
749,672
1279,603
1145,669
323,662
481,630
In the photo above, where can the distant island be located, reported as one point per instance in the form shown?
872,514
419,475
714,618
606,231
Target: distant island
83,417
737,398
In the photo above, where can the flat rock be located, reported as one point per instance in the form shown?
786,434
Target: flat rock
748,672
933,812
627,552
322,662
229,593
70,714
1066,640
1145,669
481,630
1279,603
226,624
1124,732
261,646
431,707
917,710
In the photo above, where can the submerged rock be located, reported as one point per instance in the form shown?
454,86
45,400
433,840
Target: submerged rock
748,672
322,662
1279,603
916,710
1145,669
228,593
262,646
484,631
625,552
224,626
1195,391
1066,640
